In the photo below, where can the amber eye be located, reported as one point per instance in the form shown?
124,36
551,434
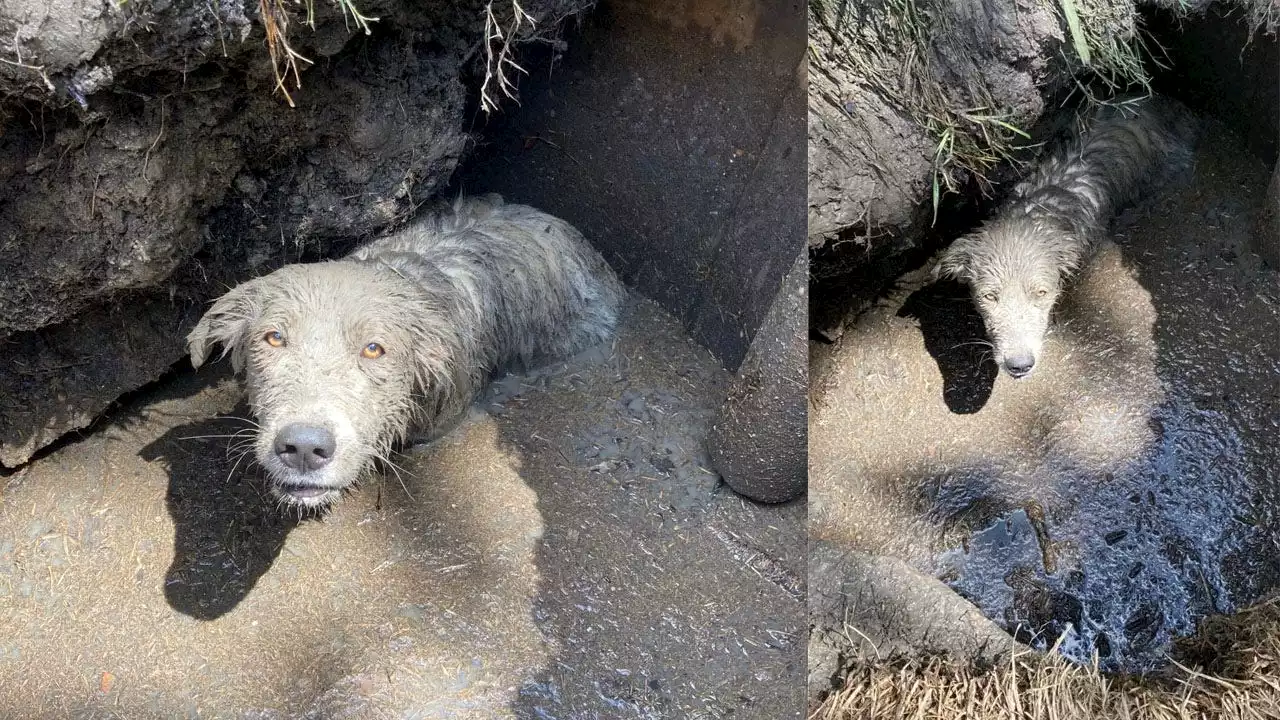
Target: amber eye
373,351
1041,292
274,338
990,297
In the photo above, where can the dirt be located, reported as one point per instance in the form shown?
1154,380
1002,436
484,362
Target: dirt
1120,493
563,553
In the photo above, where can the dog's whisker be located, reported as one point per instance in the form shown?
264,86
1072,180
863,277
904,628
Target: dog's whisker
240,418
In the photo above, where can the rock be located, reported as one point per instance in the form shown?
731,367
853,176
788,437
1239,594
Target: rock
759,441
866,608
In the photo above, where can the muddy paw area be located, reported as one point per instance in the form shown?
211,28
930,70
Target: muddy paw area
564,552
1118,495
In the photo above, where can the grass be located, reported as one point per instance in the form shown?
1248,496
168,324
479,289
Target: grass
887,47
1108,41
1230,669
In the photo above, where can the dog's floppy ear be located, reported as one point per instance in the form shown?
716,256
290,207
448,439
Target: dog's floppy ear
1068,256
226,323
953,263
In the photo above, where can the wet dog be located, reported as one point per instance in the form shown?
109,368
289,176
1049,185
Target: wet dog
1016,263
343,359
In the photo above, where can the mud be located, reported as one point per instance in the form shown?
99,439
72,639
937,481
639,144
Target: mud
563,553
1121,492
873,606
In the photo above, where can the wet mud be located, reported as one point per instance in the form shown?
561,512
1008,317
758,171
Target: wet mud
1125,489
563,553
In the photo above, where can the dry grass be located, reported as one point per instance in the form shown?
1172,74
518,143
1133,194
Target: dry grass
505,24
1262,15
499,38
284,59
1229,669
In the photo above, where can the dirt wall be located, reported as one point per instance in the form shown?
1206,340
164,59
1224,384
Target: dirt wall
671,135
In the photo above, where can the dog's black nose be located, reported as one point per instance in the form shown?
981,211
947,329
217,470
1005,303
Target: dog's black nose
304,448
1018,366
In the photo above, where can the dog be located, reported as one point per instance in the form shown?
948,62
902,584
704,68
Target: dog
343,359
1016,264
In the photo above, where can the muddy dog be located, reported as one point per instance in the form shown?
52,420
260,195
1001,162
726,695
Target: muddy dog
1016,263
343,359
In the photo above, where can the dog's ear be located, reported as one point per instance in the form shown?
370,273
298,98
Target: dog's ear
1069,256
953,263
226,323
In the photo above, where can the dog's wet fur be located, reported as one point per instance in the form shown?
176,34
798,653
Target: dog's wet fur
344,359
1016,263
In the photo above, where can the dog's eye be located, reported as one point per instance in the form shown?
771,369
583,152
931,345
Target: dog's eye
373,351
275,338
1041,292
990,297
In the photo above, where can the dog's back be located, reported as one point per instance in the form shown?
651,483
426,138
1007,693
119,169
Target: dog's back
1129,146
526,283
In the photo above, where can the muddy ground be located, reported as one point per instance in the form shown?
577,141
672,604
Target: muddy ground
564,553
1124,490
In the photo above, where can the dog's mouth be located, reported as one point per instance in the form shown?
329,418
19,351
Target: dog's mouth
307,494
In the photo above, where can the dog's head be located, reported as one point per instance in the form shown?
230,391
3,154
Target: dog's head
1015,271
338,357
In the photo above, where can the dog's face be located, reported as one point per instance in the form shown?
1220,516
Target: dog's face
1015,272
335,356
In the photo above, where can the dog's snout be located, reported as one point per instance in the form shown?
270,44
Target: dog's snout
1019,365
304,448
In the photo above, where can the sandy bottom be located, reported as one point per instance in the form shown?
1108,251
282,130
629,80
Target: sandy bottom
1125,489
563,553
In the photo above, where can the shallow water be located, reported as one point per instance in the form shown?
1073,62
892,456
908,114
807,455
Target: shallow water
1126,488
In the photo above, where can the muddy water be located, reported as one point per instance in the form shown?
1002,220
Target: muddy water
563,553
1122,491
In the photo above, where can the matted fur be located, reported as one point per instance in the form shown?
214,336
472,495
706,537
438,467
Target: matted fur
454,297
1015,264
